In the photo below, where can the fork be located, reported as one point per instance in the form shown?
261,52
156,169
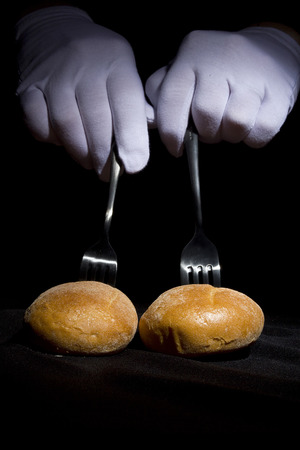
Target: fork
99,262
199,262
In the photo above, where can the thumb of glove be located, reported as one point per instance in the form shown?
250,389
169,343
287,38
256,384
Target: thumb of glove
153,85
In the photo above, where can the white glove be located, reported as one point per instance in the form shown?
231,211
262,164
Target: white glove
79,85
237,87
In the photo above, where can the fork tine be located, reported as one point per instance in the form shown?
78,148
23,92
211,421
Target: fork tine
106,273
184,275
86,269
92,274
216,275
111,276
204,271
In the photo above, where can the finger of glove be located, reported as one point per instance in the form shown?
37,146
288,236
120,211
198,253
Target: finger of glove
66,122
153,85
151,116
173,107
240,114
152,89
208,106
128,107
96,117
36,118
269,120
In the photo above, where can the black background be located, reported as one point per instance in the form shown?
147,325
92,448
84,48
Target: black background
52,210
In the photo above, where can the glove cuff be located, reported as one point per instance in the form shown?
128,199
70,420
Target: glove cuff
283,37
286,29
48,16
291,46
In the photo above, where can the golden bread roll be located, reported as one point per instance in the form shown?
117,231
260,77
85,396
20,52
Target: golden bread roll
197,319
84,317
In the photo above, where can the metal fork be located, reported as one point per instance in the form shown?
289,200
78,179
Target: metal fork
99,262
199,259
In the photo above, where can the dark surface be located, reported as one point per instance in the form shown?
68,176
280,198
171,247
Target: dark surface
253,390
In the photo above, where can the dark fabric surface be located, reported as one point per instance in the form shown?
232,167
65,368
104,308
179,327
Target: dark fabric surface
253,390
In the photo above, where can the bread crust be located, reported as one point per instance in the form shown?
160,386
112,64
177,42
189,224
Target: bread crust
84,317
197,319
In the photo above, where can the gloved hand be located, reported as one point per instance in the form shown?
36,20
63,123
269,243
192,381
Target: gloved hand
237,87
79,85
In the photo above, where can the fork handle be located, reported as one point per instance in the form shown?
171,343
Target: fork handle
114,177
192,151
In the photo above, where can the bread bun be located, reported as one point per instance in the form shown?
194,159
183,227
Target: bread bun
84,318
197,319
